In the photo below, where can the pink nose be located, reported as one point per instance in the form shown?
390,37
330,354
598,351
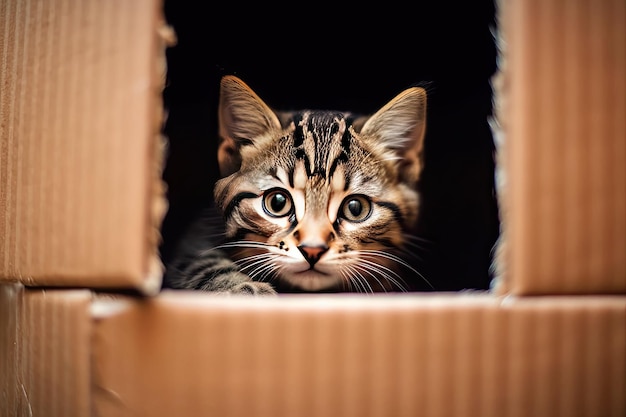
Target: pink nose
312,254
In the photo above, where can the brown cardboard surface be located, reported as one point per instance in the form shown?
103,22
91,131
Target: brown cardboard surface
80,114
563,104
45,347
75,353
441,355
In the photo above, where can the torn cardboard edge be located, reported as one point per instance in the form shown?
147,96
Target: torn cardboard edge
81,353
166,37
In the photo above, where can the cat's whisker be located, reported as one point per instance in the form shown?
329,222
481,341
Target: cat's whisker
375,275
376,270
380,254
252,261
384,270
229,245
398,260
346,282
416,242
259,272
371,270
413,237
363,281
356,280
273,271
413,247
250,258
263,272
243,244
259,265
254,267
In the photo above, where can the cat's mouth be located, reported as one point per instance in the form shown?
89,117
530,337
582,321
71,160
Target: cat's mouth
312,272
311,279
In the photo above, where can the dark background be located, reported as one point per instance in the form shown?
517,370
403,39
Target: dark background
313,55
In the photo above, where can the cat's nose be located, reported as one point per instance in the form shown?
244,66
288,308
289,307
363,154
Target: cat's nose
312,254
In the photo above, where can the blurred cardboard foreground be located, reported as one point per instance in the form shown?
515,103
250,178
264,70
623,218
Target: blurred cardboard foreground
72,353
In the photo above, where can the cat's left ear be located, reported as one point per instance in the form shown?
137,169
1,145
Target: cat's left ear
244,120
400,127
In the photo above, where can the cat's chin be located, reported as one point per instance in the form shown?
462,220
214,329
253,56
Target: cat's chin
311,280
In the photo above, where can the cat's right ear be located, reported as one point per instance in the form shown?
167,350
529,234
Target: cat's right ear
400,128
244,119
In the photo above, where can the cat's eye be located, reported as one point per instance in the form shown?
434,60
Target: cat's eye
355,208
277,202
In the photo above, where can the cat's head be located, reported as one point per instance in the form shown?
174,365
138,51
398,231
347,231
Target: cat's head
320,199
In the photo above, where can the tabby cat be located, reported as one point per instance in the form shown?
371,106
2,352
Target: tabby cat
311,201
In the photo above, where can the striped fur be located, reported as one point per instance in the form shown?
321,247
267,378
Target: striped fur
310,200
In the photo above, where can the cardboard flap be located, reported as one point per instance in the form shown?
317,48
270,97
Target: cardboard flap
80,120
473,355
561,98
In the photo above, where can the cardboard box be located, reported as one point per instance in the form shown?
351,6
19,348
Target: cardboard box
81,201
562,106
465,354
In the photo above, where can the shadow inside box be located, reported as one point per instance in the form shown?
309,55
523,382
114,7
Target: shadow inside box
297,64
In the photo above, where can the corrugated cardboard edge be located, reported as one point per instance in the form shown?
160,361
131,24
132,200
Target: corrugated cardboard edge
432,355
46,347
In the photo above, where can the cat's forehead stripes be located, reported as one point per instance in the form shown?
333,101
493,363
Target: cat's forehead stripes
322,142
324,145
322,148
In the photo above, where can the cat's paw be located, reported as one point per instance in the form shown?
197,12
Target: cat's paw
253,288
238,283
